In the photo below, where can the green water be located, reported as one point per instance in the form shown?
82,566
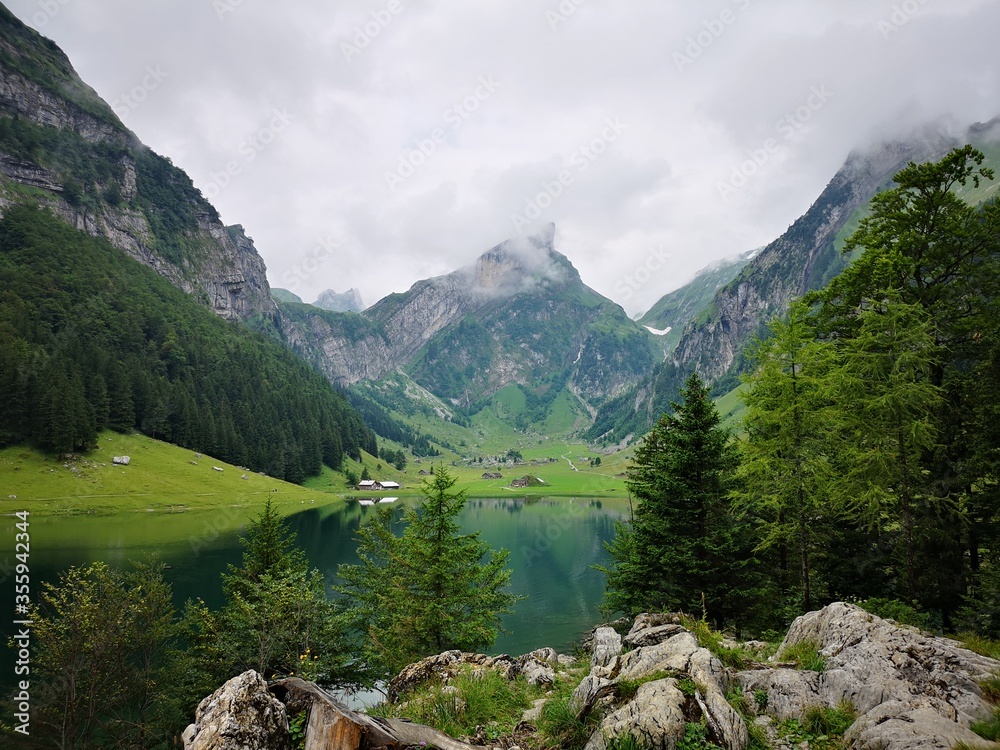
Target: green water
553,543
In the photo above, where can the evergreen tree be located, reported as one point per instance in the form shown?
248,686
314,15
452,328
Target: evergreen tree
428,590
685,549
786,463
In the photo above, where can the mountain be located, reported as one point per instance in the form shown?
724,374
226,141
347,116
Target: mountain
668,316
61,146
349,301
803,258
283,295
124,297
519,314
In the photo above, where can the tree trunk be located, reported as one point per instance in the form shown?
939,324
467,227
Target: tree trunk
333,726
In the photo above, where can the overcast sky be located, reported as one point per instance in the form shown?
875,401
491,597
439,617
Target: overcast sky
370,144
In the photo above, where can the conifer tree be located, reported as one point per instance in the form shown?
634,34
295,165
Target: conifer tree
684,550
428,590
786,463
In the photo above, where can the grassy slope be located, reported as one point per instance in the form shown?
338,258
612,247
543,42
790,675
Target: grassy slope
160,477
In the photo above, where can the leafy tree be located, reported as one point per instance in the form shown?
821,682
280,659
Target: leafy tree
276,614
786,463
685,549
427,590
105,659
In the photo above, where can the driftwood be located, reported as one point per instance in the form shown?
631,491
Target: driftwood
333,726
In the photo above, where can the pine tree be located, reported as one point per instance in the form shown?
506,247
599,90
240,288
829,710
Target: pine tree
684,550
428,590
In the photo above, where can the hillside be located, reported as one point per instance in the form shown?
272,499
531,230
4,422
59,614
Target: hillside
804,258
672,312
90,339
64,148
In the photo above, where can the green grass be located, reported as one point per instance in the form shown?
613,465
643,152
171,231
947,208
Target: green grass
988,729
625,690
980,644
488,700
805,655
160,477
737,658
821,727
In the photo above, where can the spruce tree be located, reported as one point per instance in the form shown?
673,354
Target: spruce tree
684,550
429,590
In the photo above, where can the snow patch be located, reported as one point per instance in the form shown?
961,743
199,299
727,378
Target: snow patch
657,331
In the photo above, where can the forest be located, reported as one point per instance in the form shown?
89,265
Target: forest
90,339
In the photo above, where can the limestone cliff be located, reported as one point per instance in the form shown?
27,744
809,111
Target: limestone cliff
803,258
65,149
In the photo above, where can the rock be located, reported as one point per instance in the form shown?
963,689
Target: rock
565,660
900,724
12,497
893,676
216,468
591,689
533,714
673,654
537,672
655,717
121,460
653,635
607,647
546,655
241,715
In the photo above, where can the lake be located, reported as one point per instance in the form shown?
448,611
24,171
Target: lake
554,545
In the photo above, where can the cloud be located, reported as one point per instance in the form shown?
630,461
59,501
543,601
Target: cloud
478,108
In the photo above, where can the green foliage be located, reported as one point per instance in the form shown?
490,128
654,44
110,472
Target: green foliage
430,589
696,738
893,609
991,685
735,657
91,339
560,725
105,664
297,730
276,616
988,729
470,701
805,655
686,550
821,727
786,467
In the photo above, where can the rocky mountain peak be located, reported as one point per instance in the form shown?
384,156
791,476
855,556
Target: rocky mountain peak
522,264
349,301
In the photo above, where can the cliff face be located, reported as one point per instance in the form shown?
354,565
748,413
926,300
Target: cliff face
64,148
803,258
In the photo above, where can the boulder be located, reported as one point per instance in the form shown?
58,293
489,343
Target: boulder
653,635
655,717
607,646
240,715
121,460
672,655
905,685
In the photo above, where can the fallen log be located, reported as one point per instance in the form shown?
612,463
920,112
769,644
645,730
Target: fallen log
334,726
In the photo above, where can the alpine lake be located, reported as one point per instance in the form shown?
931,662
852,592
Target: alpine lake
554,545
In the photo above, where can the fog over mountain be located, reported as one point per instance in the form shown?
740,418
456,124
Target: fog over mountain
372,144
